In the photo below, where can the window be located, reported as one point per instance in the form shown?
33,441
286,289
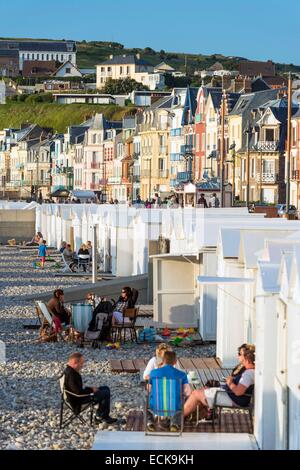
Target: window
56,56
109,69
38,56
102,69
32,56
42,56
62,57
94,138
252,168
128,70
68,70
52,56
70,57
161,164
121,70
243,169
269,133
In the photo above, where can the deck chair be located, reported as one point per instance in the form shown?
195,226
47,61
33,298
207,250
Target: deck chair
217,407
66,265
81,316
47,330
74,414
117,329
164,398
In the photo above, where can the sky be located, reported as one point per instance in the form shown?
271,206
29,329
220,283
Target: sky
255,29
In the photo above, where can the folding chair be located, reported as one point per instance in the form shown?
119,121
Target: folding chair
131,314
166,400
47,323
75,414
66,266
82,314
217,407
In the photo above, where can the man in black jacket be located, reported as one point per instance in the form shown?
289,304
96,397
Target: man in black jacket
73,383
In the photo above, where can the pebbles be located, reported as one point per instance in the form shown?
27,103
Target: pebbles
29,390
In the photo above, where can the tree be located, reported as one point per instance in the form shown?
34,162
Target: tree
123,86
149,50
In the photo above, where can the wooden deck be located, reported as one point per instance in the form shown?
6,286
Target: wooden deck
232,422
206,367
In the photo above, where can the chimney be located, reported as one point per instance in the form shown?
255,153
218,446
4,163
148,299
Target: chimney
138,56
111,57
226,82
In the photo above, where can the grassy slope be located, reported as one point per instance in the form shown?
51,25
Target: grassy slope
92,53
57,116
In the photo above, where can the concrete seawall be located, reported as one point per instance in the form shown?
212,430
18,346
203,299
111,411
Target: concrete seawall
18,224
109,289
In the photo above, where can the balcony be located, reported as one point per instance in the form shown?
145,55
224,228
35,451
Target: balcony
267,146
163,173
78,183
114,180
136,178
95,165
163,150
183,176
270,178
186,149
296,175
175,132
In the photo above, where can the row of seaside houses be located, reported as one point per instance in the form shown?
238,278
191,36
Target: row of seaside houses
170,146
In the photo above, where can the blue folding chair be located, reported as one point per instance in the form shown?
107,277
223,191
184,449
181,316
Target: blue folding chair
164,399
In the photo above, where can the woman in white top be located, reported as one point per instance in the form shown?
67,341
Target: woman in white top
156,361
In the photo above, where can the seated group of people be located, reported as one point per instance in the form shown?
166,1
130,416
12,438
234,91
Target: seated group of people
238,387
72,257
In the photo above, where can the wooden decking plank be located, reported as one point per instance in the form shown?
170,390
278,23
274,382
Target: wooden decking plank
211,362
198,363
202,377
208,374
116,365
214,374
186,363
128,366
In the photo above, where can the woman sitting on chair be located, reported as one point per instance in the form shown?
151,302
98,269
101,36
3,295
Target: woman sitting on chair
57,308
238,389
125,301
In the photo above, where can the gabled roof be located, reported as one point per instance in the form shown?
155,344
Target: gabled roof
164,66
249,101
190,105
125,59
68,62
98,122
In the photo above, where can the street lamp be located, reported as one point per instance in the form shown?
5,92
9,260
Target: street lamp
248,132
232,148
149,159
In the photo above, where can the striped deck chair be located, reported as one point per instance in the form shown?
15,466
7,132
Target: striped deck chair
164,399
82,315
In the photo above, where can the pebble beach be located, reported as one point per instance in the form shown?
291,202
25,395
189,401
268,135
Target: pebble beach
29,389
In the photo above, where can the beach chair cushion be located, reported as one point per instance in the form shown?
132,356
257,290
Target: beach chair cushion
81,316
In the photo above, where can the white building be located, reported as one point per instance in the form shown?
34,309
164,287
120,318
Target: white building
67,69
60,51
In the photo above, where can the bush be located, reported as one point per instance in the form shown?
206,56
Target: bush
40,98
122,86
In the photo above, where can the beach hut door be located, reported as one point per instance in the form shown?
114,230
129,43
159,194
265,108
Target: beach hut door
281,378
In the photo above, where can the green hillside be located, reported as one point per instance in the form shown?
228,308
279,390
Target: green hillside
57,116
94,52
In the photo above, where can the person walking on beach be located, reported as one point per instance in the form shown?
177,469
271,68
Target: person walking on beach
43,253
73,384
